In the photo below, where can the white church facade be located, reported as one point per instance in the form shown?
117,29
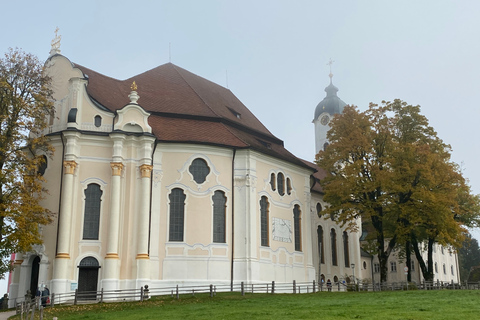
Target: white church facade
167,178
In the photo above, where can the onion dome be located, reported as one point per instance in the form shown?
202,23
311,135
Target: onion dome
331,103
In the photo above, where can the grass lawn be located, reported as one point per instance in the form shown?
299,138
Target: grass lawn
439,304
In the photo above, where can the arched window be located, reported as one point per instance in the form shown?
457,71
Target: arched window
444,269
273,182
345,249
177,212
264,221
289,186
451,268
297,219
98,121
335,279
319,209
219,202
199,170
436,268
91,219
281,184
325,145
42,165
320,244
333,241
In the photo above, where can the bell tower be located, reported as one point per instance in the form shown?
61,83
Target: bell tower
325,111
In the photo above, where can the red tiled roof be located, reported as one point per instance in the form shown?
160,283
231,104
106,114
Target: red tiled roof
187,108
173,90
191,130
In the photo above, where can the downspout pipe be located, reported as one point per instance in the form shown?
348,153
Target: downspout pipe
61,186
151,198
233,218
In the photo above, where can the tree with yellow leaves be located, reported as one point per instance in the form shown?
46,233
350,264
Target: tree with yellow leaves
25,107
388,167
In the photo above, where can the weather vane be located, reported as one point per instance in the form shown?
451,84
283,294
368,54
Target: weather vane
330,65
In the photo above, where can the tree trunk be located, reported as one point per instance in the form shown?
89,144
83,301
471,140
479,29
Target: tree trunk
427,270
408,253
382,252
382,258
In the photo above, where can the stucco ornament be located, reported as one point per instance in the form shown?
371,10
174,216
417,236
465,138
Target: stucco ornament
55,43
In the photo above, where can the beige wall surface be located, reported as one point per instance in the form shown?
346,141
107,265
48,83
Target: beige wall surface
197,256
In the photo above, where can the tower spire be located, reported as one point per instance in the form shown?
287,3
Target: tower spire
330,62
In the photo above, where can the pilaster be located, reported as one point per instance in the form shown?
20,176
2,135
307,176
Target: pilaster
142,257
63,249
14,286
112,259
64,229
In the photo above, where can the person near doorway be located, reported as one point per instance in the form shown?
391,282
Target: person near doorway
45,296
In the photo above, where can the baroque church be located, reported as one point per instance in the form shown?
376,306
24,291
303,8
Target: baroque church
168,179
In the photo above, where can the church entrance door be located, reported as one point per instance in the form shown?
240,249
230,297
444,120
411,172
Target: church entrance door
88,278
34,276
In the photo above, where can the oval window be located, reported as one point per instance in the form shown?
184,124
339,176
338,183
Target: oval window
281,184
319,209
272,181
289,186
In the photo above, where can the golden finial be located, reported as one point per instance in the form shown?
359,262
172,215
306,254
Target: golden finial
134,86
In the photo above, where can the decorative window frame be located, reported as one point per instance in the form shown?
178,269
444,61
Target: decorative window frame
169,215
268,229
86,255
212,176
297,237
85,183
225,217
273,182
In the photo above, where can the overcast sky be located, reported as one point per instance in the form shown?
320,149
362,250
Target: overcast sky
273,54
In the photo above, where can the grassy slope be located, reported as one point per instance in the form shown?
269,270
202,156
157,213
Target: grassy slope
348,305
